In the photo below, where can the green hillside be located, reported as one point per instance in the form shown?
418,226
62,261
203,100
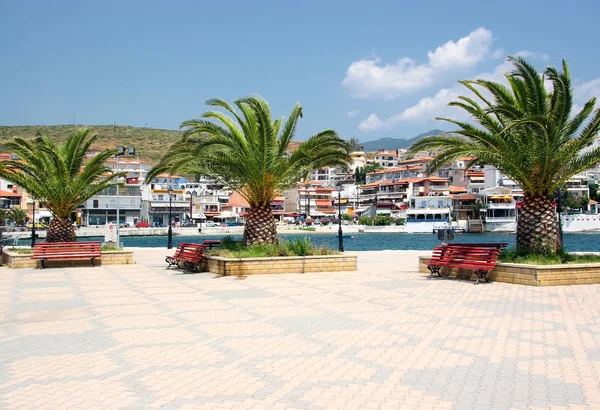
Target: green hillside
150,143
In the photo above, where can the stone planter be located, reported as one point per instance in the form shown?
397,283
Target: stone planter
16,260
532,275
286,264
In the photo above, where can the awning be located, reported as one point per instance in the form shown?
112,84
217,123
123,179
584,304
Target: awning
496,197
323,202
42,214
211,214
507,197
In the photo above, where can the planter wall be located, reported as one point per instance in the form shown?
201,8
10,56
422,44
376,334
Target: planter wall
16,260
287,264
532,275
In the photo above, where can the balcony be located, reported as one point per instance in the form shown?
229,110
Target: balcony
501,205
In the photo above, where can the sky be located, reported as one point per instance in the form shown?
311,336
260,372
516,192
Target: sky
366,69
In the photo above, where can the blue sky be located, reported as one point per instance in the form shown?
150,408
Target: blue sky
367,69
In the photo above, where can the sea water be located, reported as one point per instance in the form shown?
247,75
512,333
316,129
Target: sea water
574,242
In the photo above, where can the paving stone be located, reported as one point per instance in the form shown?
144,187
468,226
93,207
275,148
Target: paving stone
383,337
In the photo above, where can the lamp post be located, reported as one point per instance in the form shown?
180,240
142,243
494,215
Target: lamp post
558,198
170,231
121,152
339,188
191,198
306,202
33,223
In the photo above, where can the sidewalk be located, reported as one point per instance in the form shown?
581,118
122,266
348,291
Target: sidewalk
383,337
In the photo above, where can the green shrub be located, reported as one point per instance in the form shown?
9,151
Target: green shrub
544,257
109,248
21,251
296,247
299,246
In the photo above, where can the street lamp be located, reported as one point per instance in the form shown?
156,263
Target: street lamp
121,152
170,231
339,188
33,223
191,198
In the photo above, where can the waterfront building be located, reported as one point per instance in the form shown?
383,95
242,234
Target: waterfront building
500,209
207,196
156,201
386,159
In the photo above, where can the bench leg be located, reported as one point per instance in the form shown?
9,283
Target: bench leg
481,274
434,269
170,261
92,261
43,266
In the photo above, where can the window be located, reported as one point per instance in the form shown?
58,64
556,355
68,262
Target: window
160,197
95,205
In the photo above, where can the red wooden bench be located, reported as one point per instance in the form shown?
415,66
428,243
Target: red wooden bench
66,250
480,259
210,243
188,256
498,245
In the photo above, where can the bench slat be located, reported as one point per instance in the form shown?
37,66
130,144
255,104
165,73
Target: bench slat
66,250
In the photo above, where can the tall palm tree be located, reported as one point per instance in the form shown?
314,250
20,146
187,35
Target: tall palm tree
57,176
531,134
18,216
248,151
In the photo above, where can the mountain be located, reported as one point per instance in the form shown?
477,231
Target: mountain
395,143
150,143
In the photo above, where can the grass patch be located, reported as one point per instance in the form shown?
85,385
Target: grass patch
515,255
297,247
110,248
22,251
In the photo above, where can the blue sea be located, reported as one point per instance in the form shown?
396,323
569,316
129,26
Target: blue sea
574,242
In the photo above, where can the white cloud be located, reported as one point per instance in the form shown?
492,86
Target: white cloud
435,106
372,123
353,113
370,78
584,91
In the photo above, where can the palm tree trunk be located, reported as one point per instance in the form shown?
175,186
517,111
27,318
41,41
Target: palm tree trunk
61,230
260,226
538,226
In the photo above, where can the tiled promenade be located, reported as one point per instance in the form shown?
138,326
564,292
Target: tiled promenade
383,337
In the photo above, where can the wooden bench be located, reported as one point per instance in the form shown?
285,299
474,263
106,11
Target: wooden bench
480,259
188,256
499,245
210,243
66,250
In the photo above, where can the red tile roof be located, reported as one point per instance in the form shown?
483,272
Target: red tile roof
9,194
457,189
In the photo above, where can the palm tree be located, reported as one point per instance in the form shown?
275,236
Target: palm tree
248,151
57,176
529,133
18,216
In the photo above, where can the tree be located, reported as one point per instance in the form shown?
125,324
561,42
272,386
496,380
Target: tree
18,216
355,144
3,216
372,167
531,135
248,151
57,176
360,176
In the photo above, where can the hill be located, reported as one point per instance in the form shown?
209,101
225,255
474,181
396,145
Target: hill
150,143
395,143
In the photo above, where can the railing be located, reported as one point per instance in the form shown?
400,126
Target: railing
507,205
